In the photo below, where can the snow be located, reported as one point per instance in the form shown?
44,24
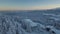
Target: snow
9,26
32,24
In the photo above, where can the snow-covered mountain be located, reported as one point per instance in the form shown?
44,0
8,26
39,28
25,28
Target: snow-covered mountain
30,22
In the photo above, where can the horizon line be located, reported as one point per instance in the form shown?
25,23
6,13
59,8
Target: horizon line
29,9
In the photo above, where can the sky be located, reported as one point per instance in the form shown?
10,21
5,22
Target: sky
28,4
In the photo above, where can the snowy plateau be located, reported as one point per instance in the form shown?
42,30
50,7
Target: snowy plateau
30,22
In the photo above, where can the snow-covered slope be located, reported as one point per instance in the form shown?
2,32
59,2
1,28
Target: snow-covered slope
11,25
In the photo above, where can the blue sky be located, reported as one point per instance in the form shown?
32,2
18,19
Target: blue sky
28,4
